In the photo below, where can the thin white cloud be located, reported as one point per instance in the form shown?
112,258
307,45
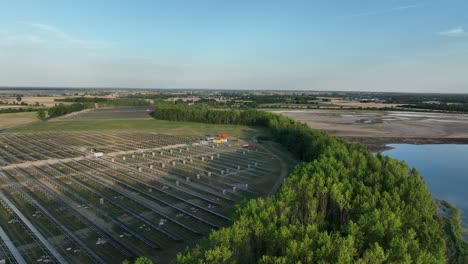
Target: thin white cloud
20,39
67,38
49,29
8,38
378,12
454,32
405,7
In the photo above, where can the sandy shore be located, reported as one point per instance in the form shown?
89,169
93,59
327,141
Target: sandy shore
381,143
376,129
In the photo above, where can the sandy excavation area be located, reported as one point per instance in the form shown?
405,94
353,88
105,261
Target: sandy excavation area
348,103
377,128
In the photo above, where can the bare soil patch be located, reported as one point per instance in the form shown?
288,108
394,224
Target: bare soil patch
349,103
376,129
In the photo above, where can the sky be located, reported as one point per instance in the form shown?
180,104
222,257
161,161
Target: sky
372,45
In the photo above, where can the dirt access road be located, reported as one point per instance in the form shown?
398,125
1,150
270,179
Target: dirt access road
378,128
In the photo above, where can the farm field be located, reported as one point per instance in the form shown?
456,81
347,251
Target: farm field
186,129
148,194
47,101
110,113
42,100
135,118
9,120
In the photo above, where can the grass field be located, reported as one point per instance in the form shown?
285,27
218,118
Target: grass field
14,119
147,124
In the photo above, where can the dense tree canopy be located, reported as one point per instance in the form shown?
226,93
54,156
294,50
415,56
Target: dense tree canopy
41,114
61,109
82,99
440,107
343,204
17,110
105,102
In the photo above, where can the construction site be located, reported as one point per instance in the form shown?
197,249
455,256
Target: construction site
103,197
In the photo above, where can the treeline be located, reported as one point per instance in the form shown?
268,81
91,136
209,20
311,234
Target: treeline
457,246
421,98
82,99
17,110
279,98
61,109
440,107
13,103
204,114
124,102
158,96
250,101
401,98
342,205
298,138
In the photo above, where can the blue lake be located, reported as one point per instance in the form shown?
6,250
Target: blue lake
444,168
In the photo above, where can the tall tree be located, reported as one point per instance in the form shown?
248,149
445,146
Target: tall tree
41,114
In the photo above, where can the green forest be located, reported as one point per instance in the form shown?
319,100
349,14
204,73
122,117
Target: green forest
17,110
440,107
61,109
342,204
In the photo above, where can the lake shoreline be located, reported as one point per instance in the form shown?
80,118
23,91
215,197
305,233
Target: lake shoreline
443,166
380,144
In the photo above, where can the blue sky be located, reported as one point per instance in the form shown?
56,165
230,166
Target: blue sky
374,45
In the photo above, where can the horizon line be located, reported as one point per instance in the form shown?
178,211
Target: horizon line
214,89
